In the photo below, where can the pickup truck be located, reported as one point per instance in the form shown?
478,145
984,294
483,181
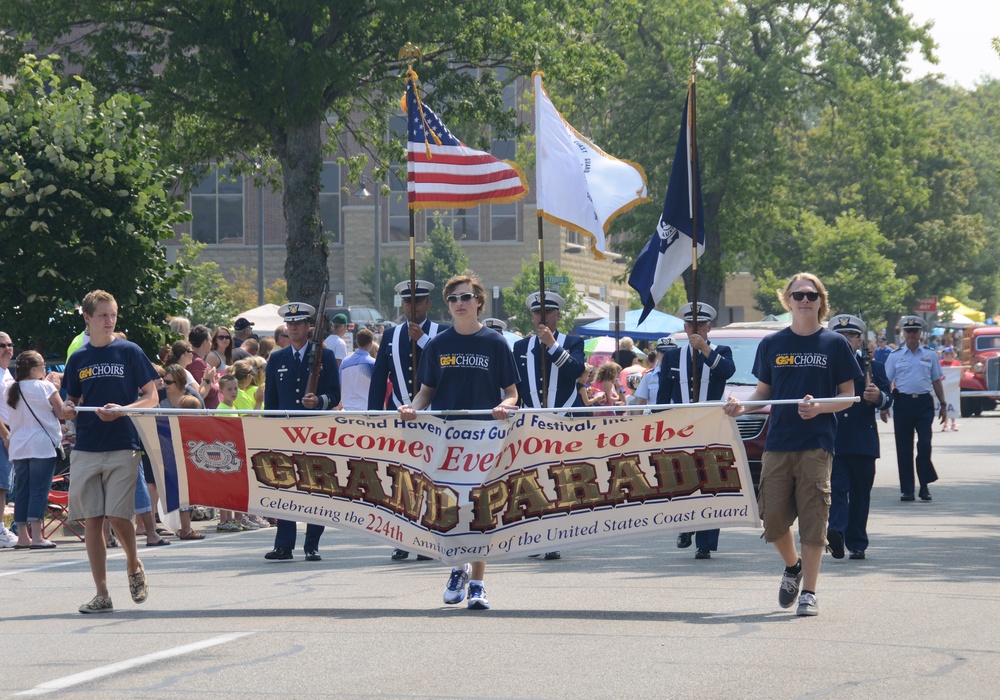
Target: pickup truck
981,349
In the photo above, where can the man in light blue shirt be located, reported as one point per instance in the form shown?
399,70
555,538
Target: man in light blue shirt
914,371
356,373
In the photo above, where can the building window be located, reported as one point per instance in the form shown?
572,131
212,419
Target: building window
503,222
329,202
217,208
464,223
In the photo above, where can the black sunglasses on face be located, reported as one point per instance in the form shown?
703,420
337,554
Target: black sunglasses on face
222,337
455,298
799,296
169,381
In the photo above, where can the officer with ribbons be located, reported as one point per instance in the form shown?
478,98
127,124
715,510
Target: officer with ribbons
857,448
915,371
563,357
678,379
395,365
285,387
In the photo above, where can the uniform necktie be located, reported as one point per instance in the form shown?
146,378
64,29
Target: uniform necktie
298,362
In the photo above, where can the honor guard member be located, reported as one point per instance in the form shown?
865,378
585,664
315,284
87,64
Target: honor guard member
715,366
394,364
650,383
285,388
914,371
857,448
495,323
564,361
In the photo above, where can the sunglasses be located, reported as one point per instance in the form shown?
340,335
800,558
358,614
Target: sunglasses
6,345
168,382
455,298
911,330
222,337
799,296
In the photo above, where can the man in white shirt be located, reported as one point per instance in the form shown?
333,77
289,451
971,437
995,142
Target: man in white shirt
650,382
356,374
335,341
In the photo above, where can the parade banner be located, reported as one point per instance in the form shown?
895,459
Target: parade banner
951,383
464,490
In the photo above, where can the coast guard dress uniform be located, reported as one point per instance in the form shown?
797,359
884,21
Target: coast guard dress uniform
286,375
857,448
677,386
564,363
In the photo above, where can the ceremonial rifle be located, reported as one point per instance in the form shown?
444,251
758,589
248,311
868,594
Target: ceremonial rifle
319,332
866,359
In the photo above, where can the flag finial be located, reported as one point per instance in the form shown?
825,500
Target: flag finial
411,53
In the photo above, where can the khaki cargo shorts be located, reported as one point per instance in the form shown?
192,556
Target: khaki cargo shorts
795,485
102,483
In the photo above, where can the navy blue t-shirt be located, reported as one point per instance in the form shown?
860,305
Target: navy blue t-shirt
795,365
467,371
110,374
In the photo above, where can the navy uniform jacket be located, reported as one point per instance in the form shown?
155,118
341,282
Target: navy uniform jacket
393,363
857,433
284,389
563,368
719,363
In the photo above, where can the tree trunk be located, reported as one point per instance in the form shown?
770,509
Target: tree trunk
299,151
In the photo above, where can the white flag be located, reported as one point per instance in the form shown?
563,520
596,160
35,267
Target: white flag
578,185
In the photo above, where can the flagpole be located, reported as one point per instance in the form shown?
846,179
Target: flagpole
411,53
543,397
693,189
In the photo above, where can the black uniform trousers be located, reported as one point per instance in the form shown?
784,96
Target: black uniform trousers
913,413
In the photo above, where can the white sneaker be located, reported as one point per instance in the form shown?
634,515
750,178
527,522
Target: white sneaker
7,538
455,591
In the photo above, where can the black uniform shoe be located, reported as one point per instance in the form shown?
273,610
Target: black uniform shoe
925,493
907,497
684,540
835,543
703,554
279,554
399,554
423,557
553,555
313,555
857,555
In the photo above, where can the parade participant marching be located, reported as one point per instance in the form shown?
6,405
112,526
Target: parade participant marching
676,385
287,374
564,360
857,448
915,372
804,361
466,367
106,373
394,362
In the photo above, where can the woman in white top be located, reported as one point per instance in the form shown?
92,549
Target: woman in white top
221,354
34,434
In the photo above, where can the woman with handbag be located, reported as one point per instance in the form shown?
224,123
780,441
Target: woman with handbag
34,442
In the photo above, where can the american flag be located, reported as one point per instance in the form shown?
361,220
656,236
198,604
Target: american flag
443,172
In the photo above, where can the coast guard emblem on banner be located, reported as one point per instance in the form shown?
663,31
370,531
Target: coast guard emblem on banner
217,456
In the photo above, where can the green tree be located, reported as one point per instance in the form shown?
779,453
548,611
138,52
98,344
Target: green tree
204,287
392,274
85,206
519,317
763,69
231,80
438,261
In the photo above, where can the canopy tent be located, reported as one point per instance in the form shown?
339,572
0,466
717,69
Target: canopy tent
264,318
594,310
957,321
962,310
656,325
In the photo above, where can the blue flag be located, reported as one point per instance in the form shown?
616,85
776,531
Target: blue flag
668,253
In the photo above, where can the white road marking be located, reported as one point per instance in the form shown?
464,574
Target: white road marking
93,674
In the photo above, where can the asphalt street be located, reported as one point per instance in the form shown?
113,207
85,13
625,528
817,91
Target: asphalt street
919,618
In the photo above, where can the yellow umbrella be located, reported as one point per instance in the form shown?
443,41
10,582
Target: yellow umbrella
968,312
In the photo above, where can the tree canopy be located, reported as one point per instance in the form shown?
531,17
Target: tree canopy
85,205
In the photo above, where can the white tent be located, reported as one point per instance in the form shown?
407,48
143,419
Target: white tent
957,321
264,319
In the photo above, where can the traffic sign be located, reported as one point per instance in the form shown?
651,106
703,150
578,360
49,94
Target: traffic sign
928,305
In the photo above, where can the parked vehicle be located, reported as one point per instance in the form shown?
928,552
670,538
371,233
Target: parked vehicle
981,347
753,426
358,316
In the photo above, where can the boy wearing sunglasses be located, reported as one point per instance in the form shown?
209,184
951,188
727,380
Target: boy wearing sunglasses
804,361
